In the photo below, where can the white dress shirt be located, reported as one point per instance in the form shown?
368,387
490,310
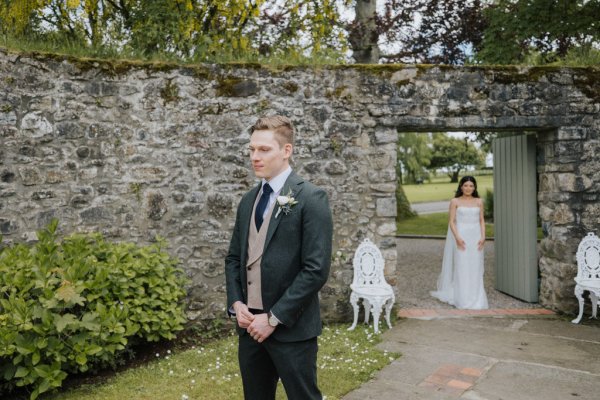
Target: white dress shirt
276,184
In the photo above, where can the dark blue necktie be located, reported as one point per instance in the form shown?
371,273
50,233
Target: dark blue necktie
262,204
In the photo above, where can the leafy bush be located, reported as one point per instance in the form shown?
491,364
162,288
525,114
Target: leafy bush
71,306
488,206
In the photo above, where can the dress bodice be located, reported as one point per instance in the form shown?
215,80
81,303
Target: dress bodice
467,215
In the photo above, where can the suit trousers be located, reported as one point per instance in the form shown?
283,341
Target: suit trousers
262,364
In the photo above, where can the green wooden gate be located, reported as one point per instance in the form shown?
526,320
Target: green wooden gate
515,216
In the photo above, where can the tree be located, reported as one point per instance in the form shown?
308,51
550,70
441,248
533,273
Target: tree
403,208
363,34
484,139
432,31
300,27
517,28
454,154
423,31
414,155
197,30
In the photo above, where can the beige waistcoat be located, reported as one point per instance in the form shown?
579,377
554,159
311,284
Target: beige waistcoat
256,245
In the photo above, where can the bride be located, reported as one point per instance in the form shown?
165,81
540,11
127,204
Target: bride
461,281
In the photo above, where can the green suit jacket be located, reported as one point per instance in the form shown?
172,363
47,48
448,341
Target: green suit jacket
295,261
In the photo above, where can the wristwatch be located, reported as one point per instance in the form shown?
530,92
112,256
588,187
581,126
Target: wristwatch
273,321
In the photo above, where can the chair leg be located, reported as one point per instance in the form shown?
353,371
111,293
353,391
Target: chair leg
579,295
376,313
367,306
388,311
594,298
354,302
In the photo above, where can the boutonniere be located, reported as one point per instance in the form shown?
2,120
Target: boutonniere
285,203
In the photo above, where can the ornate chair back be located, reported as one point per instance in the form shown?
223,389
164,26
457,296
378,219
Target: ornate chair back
588,258
588,273
368,266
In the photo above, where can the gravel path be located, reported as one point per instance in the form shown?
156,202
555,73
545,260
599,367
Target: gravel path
431,207
419,264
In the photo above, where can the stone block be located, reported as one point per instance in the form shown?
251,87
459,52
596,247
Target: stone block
386,136
572,133
335,167
403,75
386,207
8,226
386,229
30,176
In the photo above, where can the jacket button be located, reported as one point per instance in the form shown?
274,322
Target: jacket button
249,283
249,268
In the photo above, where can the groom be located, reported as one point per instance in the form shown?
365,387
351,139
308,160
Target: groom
278,260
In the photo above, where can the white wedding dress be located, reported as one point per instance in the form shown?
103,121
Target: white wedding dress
461,281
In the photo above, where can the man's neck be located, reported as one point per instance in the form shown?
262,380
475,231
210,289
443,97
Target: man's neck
278,181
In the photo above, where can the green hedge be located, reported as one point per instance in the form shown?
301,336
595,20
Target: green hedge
488,205
76,305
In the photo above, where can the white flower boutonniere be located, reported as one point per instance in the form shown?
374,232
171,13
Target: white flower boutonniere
285,203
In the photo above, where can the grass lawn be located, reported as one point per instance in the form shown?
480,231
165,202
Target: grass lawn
346,360
443,190
437,224
431,224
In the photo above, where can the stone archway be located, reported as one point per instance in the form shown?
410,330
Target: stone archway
96,143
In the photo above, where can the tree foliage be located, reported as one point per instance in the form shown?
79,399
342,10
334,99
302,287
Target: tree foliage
413,31
549,27
183,29
414,154
454,154
422,31
431,31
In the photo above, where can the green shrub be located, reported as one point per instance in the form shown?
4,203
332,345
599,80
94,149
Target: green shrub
488,206
75,305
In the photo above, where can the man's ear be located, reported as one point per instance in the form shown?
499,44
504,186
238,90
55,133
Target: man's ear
287,148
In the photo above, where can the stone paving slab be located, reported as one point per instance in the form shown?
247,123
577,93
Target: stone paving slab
488,357
534,382
509,343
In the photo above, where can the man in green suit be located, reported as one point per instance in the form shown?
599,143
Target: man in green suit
278,260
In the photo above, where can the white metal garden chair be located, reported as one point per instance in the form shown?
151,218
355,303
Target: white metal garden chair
588,273
369,284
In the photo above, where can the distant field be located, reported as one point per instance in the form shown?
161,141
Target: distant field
443,190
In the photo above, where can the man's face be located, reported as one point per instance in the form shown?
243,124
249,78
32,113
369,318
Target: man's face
268,158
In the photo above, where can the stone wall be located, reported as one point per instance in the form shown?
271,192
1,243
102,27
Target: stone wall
137,150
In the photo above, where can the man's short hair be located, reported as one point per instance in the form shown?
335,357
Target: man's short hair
280,125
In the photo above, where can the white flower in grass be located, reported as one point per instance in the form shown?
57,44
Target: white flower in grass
185,397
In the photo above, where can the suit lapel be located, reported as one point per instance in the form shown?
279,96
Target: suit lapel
293,182
246,220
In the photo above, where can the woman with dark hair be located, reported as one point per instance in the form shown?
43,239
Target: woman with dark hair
461,281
